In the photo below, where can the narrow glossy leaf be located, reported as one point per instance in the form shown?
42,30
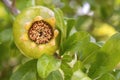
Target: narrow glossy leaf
107,58
78,65
87,51
79,75
55,75
107,76
60,20
46,64
25,72
98,67
70,25
67,70
74,41
67,58
112,48
60,23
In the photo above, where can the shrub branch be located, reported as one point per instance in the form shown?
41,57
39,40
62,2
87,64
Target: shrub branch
11,6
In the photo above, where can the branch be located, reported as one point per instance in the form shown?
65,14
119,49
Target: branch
13,3
11,6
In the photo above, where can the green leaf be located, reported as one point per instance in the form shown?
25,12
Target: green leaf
46,64
67,70
4,56
13,50
87,51
70,25
79,75
78,65
105,5
74,41
67,58
25,72
83,23
98,67
55,75
116,73
5,40
107,76
60,23
66,8
107,58
5,35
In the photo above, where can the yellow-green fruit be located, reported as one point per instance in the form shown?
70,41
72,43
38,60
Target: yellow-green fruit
104,30
35,33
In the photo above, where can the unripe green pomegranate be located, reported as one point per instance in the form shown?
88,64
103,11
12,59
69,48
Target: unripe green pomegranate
35,32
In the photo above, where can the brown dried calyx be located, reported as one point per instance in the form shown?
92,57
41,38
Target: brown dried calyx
41,32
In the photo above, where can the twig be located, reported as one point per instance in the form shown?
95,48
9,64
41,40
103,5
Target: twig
11,6
57,56
13,3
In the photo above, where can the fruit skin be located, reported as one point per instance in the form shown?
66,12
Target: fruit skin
22,25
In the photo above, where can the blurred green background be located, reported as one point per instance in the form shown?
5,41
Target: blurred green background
101,18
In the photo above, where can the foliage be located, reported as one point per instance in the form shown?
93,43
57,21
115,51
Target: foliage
89,42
